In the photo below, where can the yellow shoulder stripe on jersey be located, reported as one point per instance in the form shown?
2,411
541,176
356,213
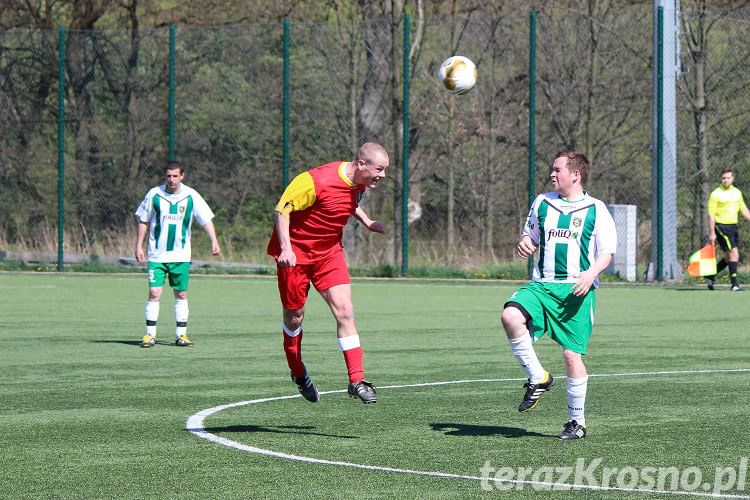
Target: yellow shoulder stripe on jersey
298,195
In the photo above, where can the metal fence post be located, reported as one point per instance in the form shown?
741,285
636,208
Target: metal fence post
286,106
405,158
171,89
532,112
660,146
60,149
664,265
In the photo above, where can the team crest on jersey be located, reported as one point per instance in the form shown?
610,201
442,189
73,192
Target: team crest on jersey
577,221
181,209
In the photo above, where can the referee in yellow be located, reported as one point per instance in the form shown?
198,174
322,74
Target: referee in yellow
724,203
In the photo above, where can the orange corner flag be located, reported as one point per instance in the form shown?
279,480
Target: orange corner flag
703,262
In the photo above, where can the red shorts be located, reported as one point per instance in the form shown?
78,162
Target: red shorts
294,282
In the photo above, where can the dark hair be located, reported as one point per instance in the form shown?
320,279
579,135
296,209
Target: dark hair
576,161
171,165
727,170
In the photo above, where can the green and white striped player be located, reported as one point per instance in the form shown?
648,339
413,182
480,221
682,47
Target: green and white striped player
575,237
166,214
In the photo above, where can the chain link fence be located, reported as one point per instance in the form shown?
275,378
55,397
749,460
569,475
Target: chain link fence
713,119
468,155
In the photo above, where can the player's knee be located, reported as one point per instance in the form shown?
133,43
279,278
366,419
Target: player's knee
572,359
344,313
512,318
293,318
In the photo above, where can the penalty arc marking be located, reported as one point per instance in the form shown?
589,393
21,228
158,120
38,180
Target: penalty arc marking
195,425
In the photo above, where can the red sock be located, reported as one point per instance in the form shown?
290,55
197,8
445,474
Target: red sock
293,348
354,364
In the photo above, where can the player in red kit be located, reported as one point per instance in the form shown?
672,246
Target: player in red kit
306,243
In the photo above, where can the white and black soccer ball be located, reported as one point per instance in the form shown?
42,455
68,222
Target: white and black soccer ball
458,75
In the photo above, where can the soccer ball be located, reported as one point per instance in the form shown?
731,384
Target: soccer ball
458,74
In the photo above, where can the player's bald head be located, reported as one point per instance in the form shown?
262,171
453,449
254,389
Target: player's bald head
371,152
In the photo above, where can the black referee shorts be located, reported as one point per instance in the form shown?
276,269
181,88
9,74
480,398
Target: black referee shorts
727,236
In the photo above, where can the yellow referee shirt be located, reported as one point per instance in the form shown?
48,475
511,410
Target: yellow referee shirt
725,204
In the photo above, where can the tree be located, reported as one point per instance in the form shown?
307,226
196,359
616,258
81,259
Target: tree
711,98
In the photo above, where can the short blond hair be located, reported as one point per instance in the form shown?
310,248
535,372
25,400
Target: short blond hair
369,152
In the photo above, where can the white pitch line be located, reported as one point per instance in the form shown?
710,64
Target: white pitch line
195,425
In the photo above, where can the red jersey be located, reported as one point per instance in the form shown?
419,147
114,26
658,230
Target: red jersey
318,203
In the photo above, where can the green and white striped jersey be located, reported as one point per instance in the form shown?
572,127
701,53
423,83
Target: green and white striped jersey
170,217
570,236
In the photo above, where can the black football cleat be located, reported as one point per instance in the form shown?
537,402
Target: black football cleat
183,341
534,391
306,388
363,390
573,430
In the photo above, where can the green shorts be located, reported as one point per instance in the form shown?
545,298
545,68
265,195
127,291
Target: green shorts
553,309
178,273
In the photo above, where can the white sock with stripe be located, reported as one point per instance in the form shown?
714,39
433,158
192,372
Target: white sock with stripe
152,315
181,312
524,352
576,390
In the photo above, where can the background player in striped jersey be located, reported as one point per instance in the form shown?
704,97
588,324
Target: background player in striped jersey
166,214
724,203
576,238
306,244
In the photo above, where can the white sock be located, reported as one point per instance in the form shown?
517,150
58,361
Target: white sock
152,315
181,316
350,342
576,390
525,354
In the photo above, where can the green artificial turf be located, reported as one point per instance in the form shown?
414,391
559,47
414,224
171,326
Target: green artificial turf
87,413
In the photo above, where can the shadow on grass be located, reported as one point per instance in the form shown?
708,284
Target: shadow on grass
485,430
699,288
282,429
130,342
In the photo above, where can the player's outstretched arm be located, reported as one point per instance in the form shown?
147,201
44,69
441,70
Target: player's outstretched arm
370,224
